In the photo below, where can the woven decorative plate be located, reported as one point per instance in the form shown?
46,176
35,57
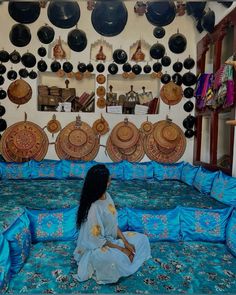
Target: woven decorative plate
124,135
54,125
101,91
171,93
146,127
101,126
156,154
24,141
101,79
92,155
76,141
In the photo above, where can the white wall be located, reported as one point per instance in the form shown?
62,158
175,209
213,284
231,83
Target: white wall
137,27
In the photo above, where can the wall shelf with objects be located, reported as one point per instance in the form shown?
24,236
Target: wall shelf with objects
134,95
66,94
214,142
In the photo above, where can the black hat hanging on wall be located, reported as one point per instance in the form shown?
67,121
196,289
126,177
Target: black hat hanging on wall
113,68
15,57
77,40
165,78
3,125
208,21
188,92
3,94
196,8
24,12
11,75
23,73
55,66
42,66
2,110
4,56
188,106
2,80
90,68
120,56
42,51
189,133
109,17
46,34
177,79
63,14
100,67
166,61
177,43
189,79
147,69
189,63
136,69
157,67
157,51
67,67
126,67
177,66
33,75
82,67
159,32
161,13
20,35
28,60
2,69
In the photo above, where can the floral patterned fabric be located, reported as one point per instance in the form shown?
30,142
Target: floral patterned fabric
64,193
190,267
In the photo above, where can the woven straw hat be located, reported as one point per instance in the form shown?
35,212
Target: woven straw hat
101,79
166,144
101,91
171,93
135,154
146,127
124,135
19,92
101,103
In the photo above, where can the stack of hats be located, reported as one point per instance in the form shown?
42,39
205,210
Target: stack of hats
125,143
166,143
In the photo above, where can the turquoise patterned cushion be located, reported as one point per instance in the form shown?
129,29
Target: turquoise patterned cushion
137,170
15,170
188,173
76,169
231,233
122,219
116,170
19,238
4,263
167,171
204,224
224,189
47,169
158,225
53,225
203,180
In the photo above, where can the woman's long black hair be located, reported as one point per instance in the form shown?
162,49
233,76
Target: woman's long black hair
95,185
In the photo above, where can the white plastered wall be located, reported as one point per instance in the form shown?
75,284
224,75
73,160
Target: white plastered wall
137,27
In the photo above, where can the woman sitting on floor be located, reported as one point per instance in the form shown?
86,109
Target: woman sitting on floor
103,251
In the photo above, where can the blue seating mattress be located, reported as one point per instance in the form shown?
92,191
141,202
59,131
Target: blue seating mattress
52,194
183,267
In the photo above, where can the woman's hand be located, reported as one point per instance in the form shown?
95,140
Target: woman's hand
130,247
128,253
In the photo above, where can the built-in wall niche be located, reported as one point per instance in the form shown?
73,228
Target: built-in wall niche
138,95
227,49
210,59
63,94
205,139
223,145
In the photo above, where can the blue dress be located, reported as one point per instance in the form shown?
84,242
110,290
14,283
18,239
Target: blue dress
95,260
